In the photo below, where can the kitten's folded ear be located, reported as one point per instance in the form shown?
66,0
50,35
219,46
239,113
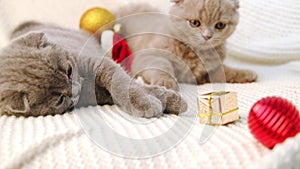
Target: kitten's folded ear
16,103
33,39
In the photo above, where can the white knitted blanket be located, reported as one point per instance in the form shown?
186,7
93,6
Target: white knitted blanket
62,142
104,137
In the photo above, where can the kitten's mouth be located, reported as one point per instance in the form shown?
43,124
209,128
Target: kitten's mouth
71,108
206,44
75,100
210,43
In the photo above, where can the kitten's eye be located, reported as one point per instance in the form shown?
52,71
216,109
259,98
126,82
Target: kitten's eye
195,23
220,25
60,101
69,71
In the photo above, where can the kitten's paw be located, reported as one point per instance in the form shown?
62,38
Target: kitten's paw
143,104
172,101
167,82
153,101
161,78
241,76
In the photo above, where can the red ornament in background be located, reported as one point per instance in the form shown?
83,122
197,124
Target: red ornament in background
121,52
272,120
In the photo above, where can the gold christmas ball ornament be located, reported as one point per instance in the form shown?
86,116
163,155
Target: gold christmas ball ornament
95,18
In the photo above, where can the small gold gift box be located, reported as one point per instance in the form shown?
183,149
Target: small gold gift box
218,108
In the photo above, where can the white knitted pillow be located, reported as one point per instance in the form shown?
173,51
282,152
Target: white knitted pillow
268,32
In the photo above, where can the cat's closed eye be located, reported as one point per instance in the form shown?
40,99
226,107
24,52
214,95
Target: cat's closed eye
220,25
69,71
60,101
195,23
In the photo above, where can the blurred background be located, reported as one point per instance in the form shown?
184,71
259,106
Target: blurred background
66,13
268,32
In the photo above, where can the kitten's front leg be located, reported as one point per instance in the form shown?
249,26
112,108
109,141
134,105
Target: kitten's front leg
155,70
154,76
239,75
138,100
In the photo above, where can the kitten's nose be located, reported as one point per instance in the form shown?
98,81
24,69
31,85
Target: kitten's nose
207,37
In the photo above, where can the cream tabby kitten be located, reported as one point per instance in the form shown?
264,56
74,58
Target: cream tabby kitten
188,45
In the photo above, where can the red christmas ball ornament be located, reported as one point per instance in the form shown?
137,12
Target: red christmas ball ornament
272,120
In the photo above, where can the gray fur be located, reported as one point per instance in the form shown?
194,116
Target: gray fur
48,70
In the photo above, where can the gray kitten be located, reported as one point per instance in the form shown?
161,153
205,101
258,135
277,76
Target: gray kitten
187,45
48,70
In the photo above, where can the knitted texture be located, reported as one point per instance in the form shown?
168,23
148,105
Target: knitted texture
61,142
268,32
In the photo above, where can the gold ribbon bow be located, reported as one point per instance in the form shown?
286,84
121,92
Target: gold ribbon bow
211,112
